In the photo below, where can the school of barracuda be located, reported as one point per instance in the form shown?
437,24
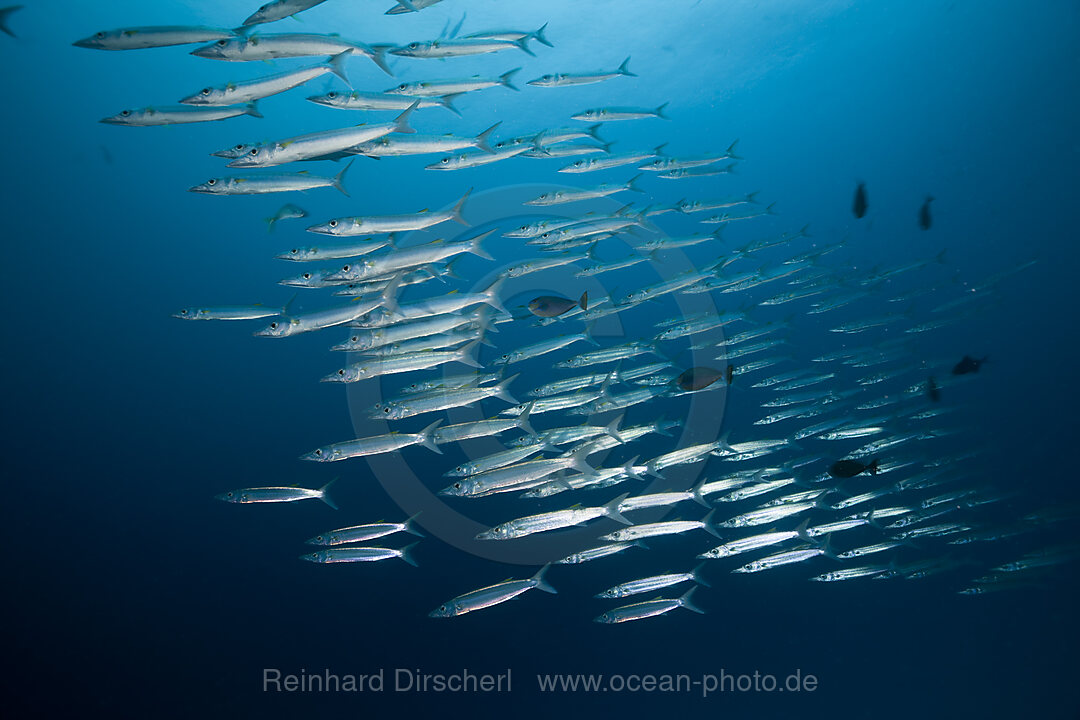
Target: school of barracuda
840,474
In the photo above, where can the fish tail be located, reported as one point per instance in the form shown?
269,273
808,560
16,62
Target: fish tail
482,138
504,79
612,429
447,101
631,184
523,419
698,497
684,601
401,122
456,215
339,179
491,295
611,510
427,437
873,467
594,133
696,573
337,65
475,247
624,69
707,524
539,36
6,13
406,553
583,301
270,223
378,56
467,355
252,110
325,497
542,584
410,525
660,112
523,43
628,468
503,392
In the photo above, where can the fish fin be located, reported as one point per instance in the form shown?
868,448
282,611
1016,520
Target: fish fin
401,122
708,524
378,56
326,498
612,429
504,393
6,12
482,138
611,510
337,66
631,184
696,573
467,354
410,525
339,179
252,110
628,468
504,79
523,43
583,302
523,419
698,497
659,149
542,584
447,101
684,601
406,553
801,531
390,292
456,217
491,296
539,36
427,437
474,243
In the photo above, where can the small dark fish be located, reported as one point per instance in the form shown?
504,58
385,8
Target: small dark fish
553,305
925,221
730,373
861,203
968,365
851,468
698,378
5,13
932,390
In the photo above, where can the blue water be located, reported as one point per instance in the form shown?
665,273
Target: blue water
131,591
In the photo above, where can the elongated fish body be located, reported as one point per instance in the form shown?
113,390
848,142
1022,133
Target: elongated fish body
514,476
404,363
443,88
439,341
376,445
870,549
363,533
471,160
379,224
608,114
265,184
359,554
850,573
405,6
491,595
641,502
785,558
379,337
480,428
177,115
560,197
252,90
608,267
442,305
378,101
445,400
647,530
458,48
138,38
707,171
569,385
394,145
566,79
620,401
649,584
648,609
255,48
404,258
497,460
767,515
682,456
331,317
607,162
541,348
279,10
287,212
556,520
596,553
748,544
277,495
448,382
239,312
335,252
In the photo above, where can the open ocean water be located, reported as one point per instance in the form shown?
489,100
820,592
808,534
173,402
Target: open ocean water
130,591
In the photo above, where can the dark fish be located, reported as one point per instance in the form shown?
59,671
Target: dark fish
698,378
5,13
861,203
553,305
968,365
925,221
730,373
932,390
851,468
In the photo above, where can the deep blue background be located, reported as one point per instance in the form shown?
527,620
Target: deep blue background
129,589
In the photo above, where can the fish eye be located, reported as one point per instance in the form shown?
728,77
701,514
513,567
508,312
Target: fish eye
340,372
445,161
212,181
125,113
184,311
254,151
318,452
332,223
457,485
331,95
101,35
442,608
319,538
273,326
239,147
354,338
228,494
345,269
206,91
413,46
386,410
295,251
222,43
